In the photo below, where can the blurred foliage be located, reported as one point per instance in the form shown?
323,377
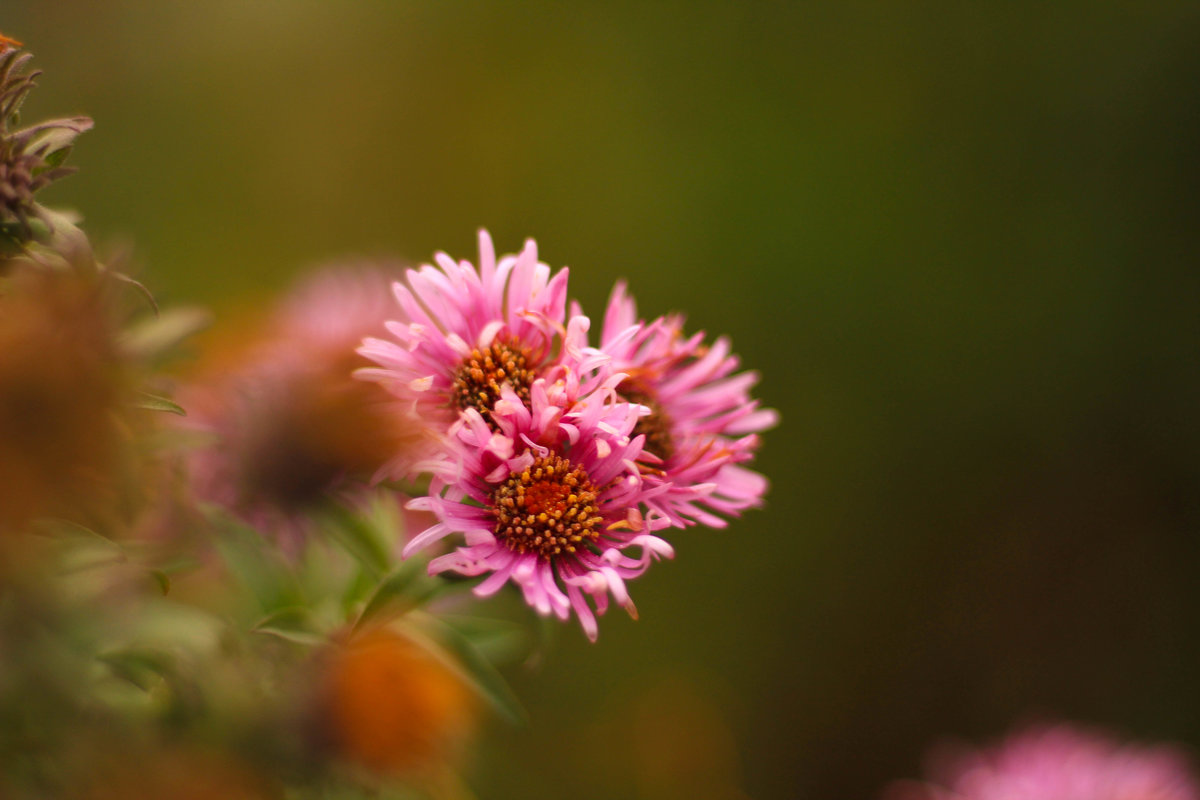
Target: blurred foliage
959,241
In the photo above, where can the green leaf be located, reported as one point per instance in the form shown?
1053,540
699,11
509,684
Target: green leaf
253,562
302,638
498,639
358,538
475,668
156,403
356,591
392,590
142,667
293,624
66,529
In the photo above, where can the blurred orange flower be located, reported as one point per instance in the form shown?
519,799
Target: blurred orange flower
395,707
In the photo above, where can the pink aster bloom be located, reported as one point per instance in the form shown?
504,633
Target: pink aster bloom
464,333
1057,762
547,496
290,425
702,423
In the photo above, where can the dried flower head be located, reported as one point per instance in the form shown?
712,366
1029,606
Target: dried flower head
1055,762
30,158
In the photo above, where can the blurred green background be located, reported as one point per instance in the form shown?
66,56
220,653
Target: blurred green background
959,241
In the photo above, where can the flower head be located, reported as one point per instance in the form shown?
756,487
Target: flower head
702,423
1057,762
465,333
548,496
30,158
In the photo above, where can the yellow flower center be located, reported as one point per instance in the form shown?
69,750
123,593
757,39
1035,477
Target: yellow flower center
548,509
477,382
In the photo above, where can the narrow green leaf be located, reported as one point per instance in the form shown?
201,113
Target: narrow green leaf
293,624
358,538
287,617
394,590
66,529
140,666
475,668
159,334
254,563
295,637
498,639
156,403
357,590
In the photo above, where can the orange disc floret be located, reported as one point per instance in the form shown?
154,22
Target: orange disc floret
394,706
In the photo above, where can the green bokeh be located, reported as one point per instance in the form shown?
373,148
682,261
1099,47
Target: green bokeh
959,241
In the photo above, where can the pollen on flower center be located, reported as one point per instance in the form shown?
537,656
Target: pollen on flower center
548,509
656,426
477,382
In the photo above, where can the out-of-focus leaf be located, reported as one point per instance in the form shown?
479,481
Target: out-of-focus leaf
392,590
142,667
158,335
358,538
80,548
66,529
293,624
475,667
156,403
295,637
498,639
255,564
356,591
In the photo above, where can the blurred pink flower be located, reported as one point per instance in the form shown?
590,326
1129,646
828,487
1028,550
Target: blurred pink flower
548,497
463,333
1055,762
702,422
291,424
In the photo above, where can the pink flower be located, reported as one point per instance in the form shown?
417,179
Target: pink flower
290,424
465,333
1056,762
702,423
546,496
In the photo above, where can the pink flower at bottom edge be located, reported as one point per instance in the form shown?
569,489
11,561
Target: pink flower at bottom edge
1055,762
